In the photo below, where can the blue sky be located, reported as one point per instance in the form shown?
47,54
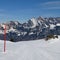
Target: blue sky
22,10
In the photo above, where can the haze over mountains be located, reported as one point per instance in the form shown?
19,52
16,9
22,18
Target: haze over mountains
35,28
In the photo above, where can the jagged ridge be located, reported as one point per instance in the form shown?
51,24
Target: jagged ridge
35,28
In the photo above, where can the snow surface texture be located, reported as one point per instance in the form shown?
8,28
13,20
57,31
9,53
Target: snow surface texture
31,50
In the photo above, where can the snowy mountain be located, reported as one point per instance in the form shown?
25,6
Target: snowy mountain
35,28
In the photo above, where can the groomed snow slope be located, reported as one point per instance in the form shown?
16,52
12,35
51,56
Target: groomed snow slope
31,50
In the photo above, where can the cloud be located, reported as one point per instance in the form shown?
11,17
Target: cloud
51,5
53,2
53,8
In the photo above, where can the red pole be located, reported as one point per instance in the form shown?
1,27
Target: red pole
5,38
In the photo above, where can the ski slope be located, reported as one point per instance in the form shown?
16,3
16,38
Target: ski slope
31,50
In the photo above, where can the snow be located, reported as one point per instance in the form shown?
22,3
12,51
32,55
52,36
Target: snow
31,50
52,26
34,22
46,25
31,33
12,29
3,26
16,22
1,32
58,24
18,34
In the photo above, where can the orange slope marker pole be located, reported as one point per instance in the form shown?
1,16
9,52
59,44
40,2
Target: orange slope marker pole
5,38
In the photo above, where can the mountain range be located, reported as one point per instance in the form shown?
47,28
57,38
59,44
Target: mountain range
35,28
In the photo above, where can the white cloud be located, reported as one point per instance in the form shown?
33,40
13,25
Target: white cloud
51,5
53,8
52,2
